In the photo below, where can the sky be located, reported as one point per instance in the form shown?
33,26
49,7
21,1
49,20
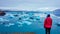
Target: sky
30,4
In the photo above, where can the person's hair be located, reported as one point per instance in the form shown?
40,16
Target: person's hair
48,15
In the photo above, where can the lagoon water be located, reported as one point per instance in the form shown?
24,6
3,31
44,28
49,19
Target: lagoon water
27,22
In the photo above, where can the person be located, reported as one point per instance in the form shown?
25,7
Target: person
48,24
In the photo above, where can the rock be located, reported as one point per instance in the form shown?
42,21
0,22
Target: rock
2,13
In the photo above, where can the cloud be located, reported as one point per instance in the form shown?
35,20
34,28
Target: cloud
47,8
28,4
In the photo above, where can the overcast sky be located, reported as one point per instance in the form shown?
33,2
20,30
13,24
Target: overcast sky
29,4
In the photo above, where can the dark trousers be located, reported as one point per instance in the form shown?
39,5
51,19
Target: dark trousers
47,30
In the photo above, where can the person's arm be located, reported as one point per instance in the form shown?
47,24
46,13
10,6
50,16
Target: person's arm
51,22
44,23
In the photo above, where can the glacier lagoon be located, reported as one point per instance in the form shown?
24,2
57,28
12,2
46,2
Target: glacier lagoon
27,22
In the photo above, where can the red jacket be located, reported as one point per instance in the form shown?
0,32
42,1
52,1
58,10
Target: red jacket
48,22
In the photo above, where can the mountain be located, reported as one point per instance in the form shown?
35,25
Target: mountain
56,12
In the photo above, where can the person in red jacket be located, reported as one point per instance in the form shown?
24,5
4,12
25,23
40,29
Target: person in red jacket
48,24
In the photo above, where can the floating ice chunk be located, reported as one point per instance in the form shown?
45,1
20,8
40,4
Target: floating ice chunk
1,19
37,17
41,15
16,15
7,25
11,15
10,24
58,22
20,23
24,17
27,22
